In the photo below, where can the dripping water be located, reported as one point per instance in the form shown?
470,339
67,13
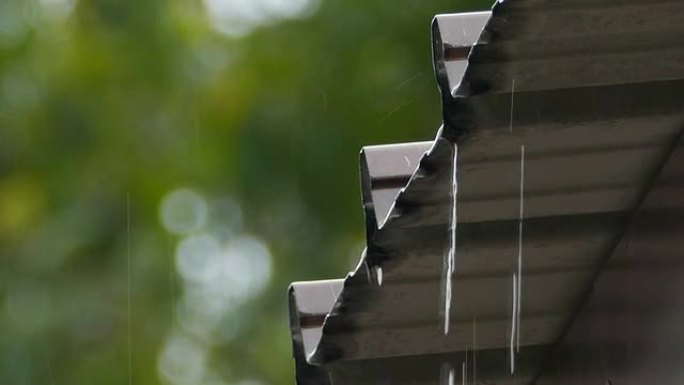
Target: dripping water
463,373
448,372
447,375
464,368
510,127
520,244
451,254
368,272
514,325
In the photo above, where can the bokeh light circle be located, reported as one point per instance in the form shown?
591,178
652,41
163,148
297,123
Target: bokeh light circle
183,211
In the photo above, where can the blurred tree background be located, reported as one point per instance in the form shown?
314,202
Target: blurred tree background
168,167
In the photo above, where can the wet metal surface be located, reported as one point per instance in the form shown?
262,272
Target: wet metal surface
630,329
555,133
385,170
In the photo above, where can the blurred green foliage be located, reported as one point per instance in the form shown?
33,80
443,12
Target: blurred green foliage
108,106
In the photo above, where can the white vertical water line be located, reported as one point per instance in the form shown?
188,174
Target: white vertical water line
447,375
451,257
368,272
378,275
463,373
510,123
520,244
514,318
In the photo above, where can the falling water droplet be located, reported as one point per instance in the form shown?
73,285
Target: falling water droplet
451,254
447,375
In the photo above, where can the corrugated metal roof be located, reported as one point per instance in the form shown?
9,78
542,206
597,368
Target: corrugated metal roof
630,329
566,112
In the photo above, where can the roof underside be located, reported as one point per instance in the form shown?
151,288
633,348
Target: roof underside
567,111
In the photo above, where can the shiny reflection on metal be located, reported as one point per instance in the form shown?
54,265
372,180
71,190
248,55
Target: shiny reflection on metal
598,111
385,170
311,302
453,36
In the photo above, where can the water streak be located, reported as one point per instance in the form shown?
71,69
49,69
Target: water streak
447,375
510,127
378,275
368,272
463,373
520,243
514,323
451,255
407,81
396,109
464,369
